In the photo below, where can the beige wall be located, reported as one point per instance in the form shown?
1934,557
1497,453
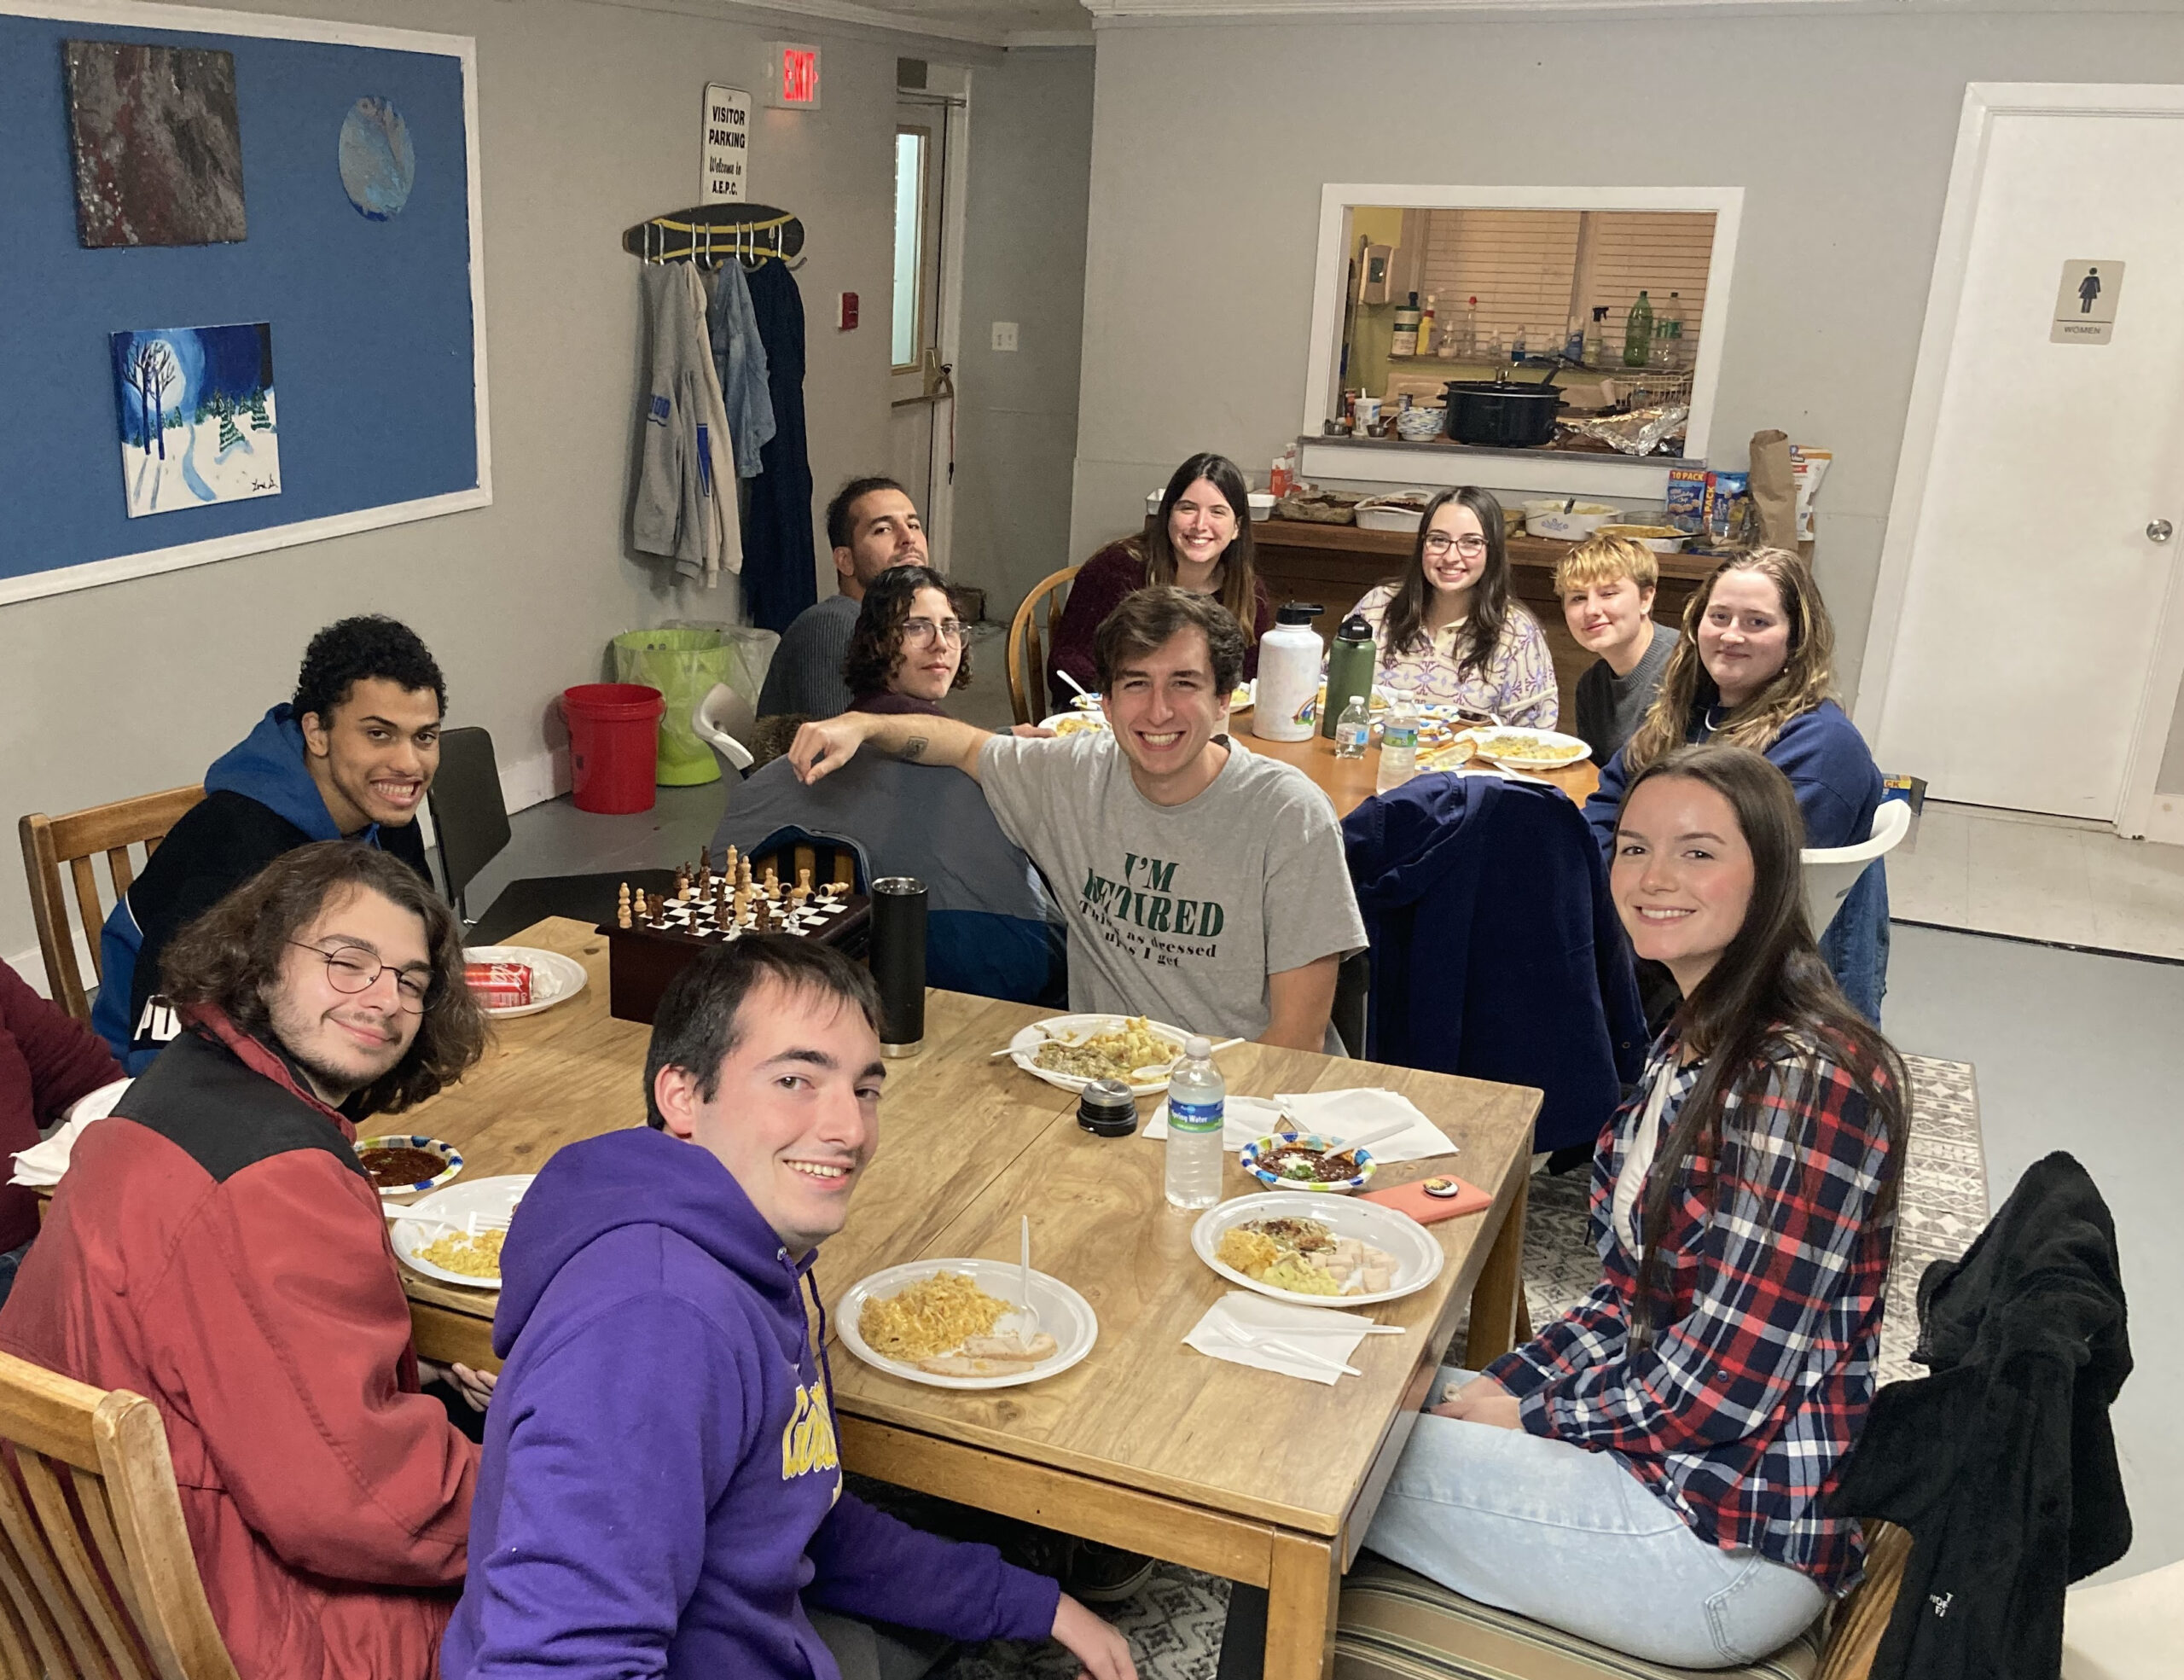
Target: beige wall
590,123
1210,143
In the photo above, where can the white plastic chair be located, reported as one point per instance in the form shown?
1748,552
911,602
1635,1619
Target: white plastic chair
1832,871
2125,1630
722,717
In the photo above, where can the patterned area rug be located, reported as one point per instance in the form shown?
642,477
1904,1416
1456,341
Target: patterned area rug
1173,1623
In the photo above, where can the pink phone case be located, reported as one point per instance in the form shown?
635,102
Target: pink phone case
1413,1199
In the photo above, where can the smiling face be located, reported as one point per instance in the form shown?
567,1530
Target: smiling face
1166,709
374,760
1201,527
1682,874
795,1114
885,531
1608,616
1743,638
1454,557
346,1040
932,649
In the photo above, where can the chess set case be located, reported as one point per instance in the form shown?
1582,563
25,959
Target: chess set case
640,959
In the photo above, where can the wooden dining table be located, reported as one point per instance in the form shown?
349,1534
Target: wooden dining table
1147,1444
1350,781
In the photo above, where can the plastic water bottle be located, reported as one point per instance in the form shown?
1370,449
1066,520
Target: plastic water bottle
1398,742
1352,729
1197,1095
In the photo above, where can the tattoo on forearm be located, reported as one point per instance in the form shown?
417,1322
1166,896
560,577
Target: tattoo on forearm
914,746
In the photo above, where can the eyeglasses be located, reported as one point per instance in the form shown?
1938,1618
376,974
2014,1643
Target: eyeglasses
1438,543
352,968
921,630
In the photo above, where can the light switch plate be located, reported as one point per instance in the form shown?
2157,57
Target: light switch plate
1004,335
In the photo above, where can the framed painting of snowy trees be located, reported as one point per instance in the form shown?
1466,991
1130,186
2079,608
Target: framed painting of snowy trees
197,423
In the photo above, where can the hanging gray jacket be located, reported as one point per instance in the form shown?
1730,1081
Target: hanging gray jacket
678,512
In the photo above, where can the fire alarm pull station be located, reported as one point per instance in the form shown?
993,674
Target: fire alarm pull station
849,312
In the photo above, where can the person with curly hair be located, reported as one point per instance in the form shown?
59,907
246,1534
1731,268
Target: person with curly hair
908,649
350,756
217,1247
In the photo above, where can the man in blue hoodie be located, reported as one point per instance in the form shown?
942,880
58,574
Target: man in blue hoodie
350,757
660,1492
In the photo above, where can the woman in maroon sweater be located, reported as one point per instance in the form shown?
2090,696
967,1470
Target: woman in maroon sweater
1201,541
48,1060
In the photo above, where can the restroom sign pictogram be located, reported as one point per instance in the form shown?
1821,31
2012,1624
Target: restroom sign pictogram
2085,302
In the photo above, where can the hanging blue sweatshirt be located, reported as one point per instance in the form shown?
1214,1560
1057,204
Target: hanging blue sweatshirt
259,802
660,1492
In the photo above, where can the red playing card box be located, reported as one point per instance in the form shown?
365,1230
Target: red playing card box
1414,1200
499,986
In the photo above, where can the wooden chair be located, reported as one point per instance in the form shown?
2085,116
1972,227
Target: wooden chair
97,1580
1029,644
49,842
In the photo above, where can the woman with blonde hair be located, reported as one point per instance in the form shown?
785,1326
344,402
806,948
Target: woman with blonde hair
1756,668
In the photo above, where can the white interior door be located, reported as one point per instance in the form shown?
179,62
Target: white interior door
2037,612
928,214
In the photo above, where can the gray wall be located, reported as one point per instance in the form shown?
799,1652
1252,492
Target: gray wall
1024,261
590,123
1210,145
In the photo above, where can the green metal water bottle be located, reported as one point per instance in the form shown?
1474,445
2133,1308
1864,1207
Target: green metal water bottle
1349,670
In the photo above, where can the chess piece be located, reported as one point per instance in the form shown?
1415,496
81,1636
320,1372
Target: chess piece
772,881
622,907
682,885
804,882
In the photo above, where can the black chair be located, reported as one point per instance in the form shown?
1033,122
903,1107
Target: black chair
470,818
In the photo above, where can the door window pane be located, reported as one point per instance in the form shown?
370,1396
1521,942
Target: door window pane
909,233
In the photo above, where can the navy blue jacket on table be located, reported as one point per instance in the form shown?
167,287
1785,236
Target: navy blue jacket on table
259,802
1496,952
1838,789
661,1493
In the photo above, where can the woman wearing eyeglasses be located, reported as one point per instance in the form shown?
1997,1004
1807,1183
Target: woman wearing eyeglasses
1447,630
908,647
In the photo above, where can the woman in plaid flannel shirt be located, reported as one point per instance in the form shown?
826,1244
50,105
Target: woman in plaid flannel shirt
1648,1471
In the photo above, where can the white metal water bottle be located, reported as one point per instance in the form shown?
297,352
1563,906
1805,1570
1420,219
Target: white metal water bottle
1197,1095
1289,675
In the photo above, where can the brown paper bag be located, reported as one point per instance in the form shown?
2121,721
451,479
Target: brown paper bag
1773,491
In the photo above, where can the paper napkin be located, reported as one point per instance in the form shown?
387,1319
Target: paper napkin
1238,1327
1243,1119
1345,1114
42,1163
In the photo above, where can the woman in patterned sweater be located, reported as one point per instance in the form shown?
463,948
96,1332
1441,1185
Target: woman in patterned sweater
1648,1471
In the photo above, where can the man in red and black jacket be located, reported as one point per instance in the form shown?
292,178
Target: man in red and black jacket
215,1246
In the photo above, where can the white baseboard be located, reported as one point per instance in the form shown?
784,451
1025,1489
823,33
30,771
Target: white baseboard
533,781
2165,820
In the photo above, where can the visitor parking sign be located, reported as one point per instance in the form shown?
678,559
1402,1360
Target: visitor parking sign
2085,303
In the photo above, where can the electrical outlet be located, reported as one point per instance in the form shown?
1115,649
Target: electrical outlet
1004,335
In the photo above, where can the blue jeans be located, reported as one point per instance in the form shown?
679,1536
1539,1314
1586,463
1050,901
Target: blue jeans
1855,947
1571,1538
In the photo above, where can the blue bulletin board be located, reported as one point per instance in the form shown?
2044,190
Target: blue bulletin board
375,317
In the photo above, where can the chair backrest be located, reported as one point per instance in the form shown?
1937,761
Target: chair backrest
49,843
470,814
97,1579
1830,872
724,721
1030,637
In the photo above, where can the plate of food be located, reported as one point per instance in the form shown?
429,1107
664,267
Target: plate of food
402,1161
467,1248
1075,722
514,980
1526,749
1304,1160
1328,1251
941,1322
1070,1051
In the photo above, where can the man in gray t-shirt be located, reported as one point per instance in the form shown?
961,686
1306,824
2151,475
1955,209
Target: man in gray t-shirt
1201,884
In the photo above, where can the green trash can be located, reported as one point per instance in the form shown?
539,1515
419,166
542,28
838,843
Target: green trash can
682,661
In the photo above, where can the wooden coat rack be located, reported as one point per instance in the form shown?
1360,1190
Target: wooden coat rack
712,234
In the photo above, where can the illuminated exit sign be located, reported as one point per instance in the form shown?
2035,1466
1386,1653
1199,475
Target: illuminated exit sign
792,77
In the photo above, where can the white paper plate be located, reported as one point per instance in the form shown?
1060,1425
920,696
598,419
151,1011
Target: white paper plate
1546,749
1418,1256
554,978
489,1198
1025,1045
1063,1314
1080,723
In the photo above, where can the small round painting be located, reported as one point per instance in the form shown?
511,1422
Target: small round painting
378,163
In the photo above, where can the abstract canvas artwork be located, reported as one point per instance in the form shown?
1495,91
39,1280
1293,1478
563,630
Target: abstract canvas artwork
158,147
379,166
197,422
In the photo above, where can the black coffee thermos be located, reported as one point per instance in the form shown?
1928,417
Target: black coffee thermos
899,914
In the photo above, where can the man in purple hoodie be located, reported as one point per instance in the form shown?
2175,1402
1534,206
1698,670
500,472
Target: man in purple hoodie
660,1492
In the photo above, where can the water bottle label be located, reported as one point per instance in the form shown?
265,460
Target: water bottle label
1194,1117
1399,736
1349,737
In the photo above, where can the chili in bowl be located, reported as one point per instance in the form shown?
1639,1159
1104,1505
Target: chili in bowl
402,1163
1303,1160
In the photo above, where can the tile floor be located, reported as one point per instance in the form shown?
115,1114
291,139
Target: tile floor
2033,877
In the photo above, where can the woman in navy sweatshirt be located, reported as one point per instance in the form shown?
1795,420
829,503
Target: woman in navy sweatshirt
1756,668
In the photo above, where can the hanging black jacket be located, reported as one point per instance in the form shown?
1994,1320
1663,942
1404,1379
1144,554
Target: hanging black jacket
2002,1464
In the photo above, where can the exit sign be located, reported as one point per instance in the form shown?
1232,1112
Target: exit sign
792,77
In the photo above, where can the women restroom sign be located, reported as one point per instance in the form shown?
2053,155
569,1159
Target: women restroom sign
727,147
2085,303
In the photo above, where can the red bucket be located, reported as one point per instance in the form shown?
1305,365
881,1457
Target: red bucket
613,744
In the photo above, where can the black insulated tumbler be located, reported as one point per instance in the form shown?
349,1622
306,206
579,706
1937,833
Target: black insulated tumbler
898,910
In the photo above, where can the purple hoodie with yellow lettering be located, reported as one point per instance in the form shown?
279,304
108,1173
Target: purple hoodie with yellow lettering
660,1492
